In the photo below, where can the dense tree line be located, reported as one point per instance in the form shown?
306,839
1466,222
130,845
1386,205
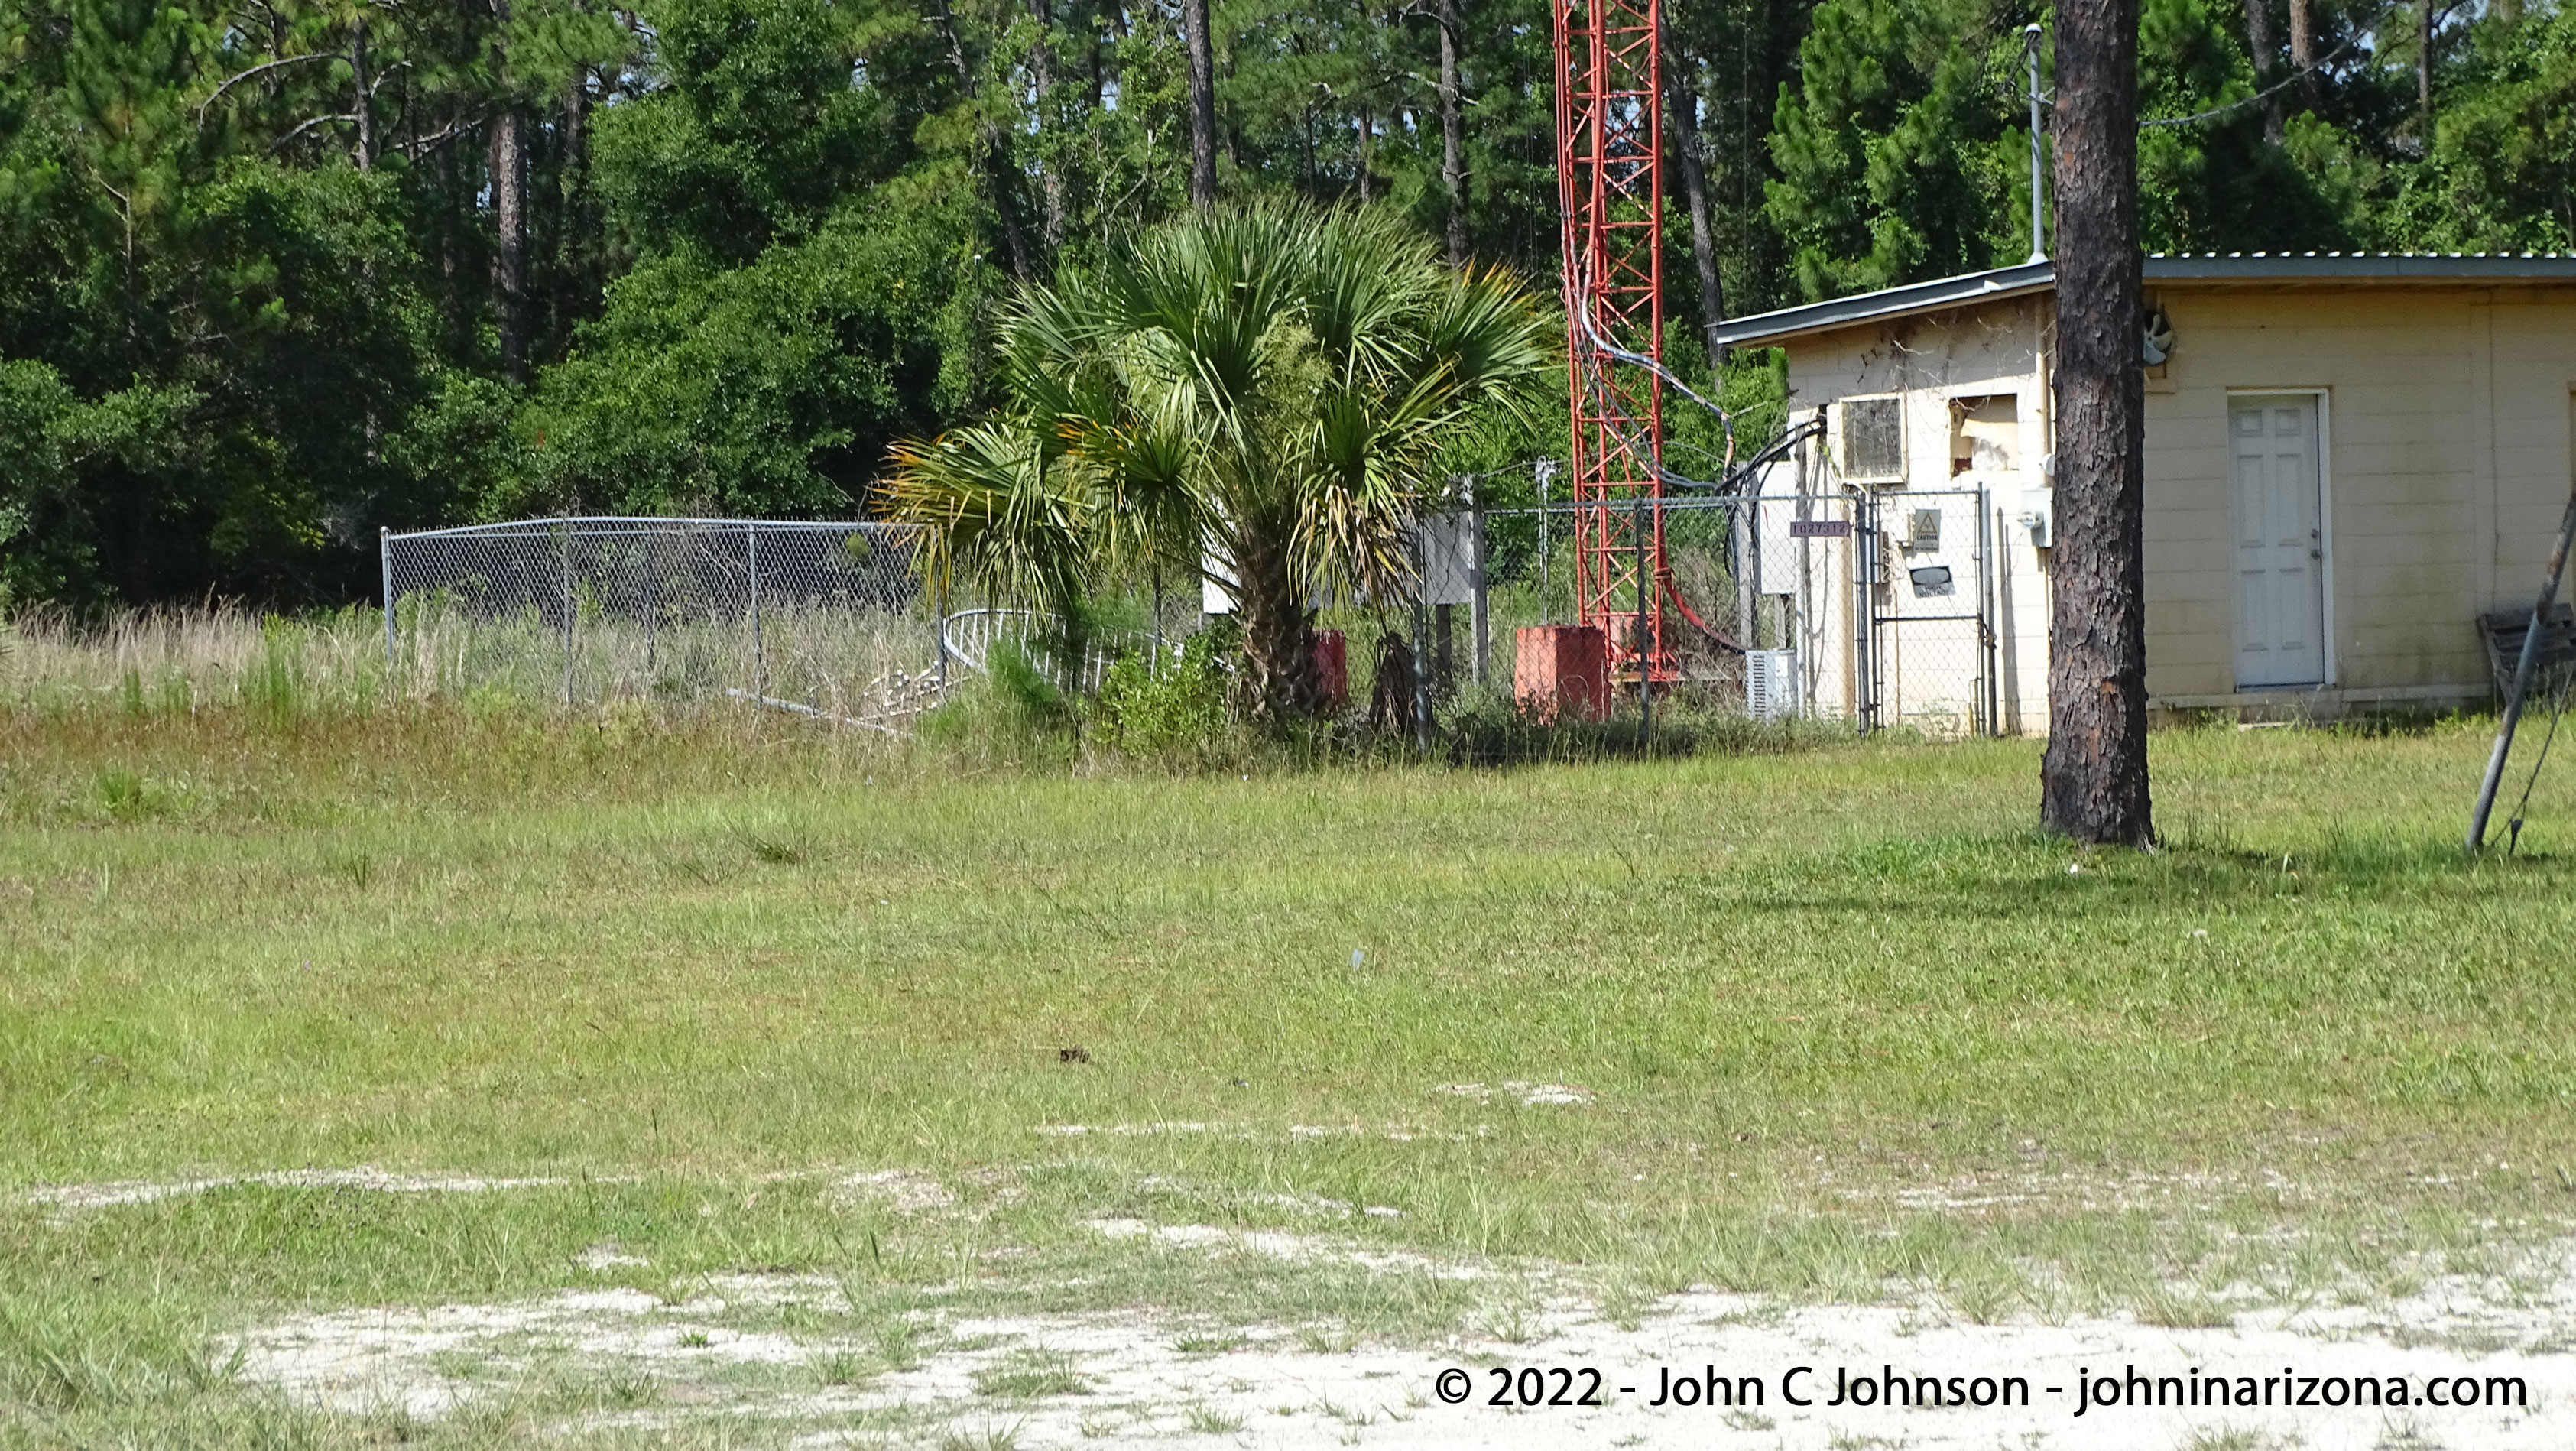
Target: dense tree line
274,273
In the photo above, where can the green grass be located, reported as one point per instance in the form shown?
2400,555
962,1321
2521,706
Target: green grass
1843,1025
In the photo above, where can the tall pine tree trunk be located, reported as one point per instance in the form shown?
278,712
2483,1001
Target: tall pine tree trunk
577,283
2424,71
364,101
1683,103
1453,143
1042,81
2258,41
507,168
510,238
2093,779
1202,66
2303,52
1368,124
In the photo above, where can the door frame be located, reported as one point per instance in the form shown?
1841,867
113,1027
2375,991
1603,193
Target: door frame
2325,527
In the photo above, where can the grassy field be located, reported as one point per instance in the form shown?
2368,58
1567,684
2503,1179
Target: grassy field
735,998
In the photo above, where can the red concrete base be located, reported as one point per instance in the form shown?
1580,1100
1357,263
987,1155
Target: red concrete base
1561,668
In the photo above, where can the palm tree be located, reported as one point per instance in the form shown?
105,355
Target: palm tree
1257,394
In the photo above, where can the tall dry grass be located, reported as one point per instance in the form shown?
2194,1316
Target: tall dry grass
218,657
190,659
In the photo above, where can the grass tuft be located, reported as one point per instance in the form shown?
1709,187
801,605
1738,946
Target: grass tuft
1028,1375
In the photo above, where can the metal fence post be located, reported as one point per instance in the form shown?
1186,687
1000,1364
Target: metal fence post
1864,609
1990,661
1637,631
563,533
385,557
1748,569
1546,603
759,650
1480,615
1421,629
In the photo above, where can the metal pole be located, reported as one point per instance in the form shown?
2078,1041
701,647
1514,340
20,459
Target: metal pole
1802,621
563,536
2030,54
1638,632
759,656
1985,623
2001,561
1865,608
1480,615
652,607
385,556
1546,603
1421,628
1747,562
2513,698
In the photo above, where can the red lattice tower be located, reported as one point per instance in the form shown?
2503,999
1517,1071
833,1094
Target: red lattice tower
1610,177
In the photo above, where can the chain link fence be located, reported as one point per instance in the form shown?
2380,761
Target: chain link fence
829,619
1873,607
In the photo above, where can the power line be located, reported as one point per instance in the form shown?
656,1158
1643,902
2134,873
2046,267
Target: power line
2296,75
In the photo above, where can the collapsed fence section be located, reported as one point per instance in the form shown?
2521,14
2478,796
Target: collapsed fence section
833,618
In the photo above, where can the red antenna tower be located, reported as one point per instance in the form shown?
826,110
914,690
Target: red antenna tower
1610,177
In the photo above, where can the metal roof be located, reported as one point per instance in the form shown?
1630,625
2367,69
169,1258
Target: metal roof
2033,277
1946,292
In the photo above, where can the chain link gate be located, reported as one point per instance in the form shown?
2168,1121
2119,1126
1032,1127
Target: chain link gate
1933,657
829,619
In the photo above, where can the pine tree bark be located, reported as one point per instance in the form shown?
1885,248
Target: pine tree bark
1453,143
2093,778
2303,52
1042,80
2424,71
363,102
506,168
1368,126
1202,67
577,286
510,238
2258,40
1683,103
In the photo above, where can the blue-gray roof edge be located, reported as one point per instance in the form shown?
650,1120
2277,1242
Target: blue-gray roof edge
2032,277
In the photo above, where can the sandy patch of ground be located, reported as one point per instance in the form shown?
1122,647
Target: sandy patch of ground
900,1190
409,1359
1394,1133
1527,1095
1137,1377
110,1194
2158,1193
1282,1245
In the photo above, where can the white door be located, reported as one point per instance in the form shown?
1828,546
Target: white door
2280,542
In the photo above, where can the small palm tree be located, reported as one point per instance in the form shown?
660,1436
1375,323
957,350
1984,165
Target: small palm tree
1257,394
